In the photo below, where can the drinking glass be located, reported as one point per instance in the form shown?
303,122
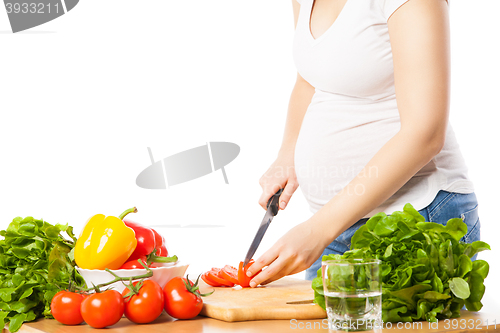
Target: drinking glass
353,294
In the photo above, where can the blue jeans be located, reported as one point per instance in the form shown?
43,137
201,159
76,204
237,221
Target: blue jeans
445,206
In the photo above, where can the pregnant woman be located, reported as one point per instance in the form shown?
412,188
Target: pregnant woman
367,127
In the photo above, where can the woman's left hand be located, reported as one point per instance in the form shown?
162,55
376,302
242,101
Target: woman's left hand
294,252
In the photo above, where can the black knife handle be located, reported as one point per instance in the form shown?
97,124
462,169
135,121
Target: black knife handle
274,202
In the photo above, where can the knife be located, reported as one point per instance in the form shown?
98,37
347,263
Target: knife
272,211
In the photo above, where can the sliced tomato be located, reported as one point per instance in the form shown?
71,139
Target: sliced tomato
215,276
207,280
243,279
229,273
229,276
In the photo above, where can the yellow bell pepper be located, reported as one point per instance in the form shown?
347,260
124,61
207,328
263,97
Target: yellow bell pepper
105,242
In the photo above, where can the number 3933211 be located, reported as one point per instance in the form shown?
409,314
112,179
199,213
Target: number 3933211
26,14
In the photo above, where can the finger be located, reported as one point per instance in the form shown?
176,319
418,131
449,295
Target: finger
293,266
264,260
267,193
269,272
287,270
289,189
284,272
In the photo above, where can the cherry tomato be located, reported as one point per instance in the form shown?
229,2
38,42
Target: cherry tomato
145,306
182,299
65,307
229,273
161,247
243,279
103,309
135,264
214,275
145,240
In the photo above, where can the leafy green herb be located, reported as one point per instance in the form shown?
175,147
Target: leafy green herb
426,271
35,263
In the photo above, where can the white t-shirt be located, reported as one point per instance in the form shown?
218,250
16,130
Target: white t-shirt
353,112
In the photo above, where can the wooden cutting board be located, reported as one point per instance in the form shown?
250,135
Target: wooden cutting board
263,302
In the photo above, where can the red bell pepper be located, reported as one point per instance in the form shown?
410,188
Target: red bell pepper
145,240
161,247
151,261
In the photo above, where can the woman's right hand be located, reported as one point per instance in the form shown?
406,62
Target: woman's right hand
280,175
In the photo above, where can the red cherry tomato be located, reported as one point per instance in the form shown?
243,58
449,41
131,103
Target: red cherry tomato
65,307
103,309
161,247
135,264
243,279
145,240
145,306
182,302
229,273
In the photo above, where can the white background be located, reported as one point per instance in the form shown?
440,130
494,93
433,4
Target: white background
83,96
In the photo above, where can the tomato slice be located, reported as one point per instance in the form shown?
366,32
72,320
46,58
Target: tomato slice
243,279
229,273
229,276
207,280
215,276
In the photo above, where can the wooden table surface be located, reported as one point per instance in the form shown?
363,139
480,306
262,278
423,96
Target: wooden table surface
468,322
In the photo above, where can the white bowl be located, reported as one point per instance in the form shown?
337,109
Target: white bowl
161,275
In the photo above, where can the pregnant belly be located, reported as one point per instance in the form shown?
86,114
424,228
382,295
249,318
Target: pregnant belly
334,145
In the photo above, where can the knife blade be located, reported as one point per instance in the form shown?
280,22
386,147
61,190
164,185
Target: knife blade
272,211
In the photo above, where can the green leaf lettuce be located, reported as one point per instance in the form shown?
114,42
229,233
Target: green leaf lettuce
426,271
35,263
